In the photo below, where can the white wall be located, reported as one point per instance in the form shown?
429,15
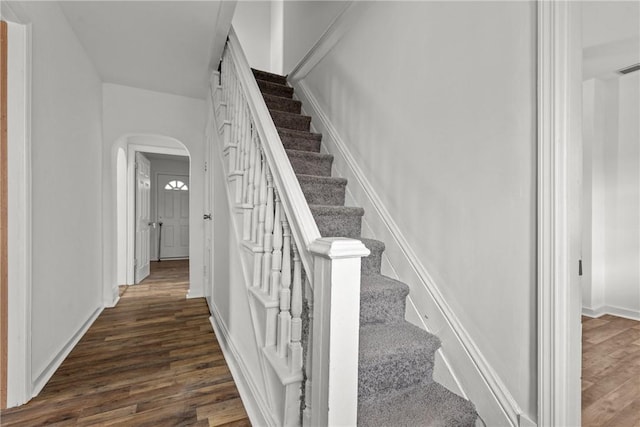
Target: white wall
436,102
610,36
252,22
276,35
169,166
623,262
303,24
66,174
129,111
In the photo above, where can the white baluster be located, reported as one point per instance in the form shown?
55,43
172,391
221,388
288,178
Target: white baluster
268,235
308,385
262,200
248,176
284,318
256,194
276,263
295,347
259,239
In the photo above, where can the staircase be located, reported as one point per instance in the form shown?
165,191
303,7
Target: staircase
396,358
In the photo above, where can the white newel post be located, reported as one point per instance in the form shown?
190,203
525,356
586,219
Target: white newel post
336,321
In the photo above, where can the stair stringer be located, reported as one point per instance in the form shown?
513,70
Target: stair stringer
264,394
459,363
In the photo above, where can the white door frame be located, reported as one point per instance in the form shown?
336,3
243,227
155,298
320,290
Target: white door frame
559,135
132,148
19,381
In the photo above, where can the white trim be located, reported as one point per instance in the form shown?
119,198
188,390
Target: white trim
611,310
19,383
257,409
340,25
59,357
481,383
558,340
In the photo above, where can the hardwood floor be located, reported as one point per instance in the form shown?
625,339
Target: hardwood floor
610,372
153,360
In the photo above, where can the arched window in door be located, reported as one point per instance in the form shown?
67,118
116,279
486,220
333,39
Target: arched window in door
176,185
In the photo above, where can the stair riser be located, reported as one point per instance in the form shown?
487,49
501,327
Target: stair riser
300,144
339,225
323,193
305,166
262,75
289,121
283,104
388,308
373,263
394,374
275,89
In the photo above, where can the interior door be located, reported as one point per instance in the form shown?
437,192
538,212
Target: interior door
173,215
143,216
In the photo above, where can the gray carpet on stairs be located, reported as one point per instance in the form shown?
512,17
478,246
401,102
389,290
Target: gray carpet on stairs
396,358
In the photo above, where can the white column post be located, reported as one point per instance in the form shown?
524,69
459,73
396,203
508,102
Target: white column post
336,318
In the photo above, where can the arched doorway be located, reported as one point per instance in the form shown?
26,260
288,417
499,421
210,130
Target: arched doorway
123,167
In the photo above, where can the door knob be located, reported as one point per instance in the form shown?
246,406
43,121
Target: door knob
207,216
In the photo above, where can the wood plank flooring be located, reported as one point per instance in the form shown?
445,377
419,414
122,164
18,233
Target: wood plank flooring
610,372
153,360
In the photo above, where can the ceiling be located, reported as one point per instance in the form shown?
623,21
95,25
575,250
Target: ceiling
164,46
610,36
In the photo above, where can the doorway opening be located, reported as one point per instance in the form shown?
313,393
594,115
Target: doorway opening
139,160
611,213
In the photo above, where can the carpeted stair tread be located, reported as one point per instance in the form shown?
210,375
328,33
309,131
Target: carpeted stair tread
300,134
393,356
285,120
300,141
423,405
380,341
338,221
279,103
372,263
310,163
277,89
382,299
323,190
269,77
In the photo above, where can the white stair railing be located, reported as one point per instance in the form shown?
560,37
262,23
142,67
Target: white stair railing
289,262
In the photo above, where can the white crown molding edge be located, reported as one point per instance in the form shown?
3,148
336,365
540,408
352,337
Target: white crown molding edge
461,351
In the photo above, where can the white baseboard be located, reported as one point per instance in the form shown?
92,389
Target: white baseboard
473,375
611,310
192,294
42,379
257,409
